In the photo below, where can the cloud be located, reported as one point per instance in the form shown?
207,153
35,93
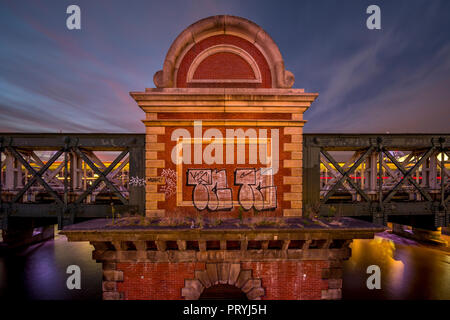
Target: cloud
53,79
416,102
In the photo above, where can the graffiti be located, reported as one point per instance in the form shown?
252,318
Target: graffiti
137,182
210,189
256,188
156,180
170,177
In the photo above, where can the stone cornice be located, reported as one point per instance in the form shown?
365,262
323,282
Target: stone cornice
223,94
221,255
224,100
225,123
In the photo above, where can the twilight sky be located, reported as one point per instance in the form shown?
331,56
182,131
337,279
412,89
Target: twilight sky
396,79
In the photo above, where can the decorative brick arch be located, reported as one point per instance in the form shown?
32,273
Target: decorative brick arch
223,273
191,42
255,74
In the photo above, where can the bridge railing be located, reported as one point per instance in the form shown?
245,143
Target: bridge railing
378,175
71,176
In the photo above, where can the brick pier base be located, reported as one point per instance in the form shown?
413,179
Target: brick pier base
306,280
172,263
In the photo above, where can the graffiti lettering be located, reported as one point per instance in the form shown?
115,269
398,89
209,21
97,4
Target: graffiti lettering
210,189
256,188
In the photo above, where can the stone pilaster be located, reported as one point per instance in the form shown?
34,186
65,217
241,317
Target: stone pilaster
294,163
333,274
110,274
154,161
110,278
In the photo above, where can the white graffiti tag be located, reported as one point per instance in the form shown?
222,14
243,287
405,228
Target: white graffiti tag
170,177
137,182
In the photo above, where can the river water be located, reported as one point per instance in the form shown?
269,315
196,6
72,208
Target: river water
408,271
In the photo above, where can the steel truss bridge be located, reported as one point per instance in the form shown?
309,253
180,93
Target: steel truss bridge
72,183
402,178
65,178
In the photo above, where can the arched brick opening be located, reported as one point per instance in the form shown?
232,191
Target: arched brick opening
223,273
223,292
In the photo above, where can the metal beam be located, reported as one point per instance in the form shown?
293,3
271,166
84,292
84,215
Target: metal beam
408,174
19,157
90,141
345,175
37,175
102,175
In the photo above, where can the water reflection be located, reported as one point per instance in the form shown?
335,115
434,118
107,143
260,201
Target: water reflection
408,271
39,272
379,252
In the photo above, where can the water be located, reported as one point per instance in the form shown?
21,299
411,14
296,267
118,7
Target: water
39,272
408,271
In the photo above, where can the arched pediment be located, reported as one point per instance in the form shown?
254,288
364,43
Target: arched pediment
246,68
224,51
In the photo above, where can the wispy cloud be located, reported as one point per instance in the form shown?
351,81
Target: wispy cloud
52,79
416,102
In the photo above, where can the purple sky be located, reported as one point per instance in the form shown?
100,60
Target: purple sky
396,79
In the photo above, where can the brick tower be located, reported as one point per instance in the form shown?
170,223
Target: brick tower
225,95
223,163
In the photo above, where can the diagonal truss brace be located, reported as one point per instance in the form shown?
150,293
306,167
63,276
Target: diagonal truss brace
346,174
37,175
407,175
102,176
443,177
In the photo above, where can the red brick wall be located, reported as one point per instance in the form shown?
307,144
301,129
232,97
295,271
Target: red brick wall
280,280
209,69
170,204
161,281
284,280
215,67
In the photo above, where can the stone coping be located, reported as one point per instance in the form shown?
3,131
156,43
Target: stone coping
223,93
258,228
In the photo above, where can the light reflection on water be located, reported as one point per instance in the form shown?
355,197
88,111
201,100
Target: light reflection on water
39,272
407,271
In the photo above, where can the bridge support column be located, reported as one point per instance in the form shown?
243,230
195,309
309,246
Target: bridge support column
398,228
431,236
183,259
25,232
445,230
